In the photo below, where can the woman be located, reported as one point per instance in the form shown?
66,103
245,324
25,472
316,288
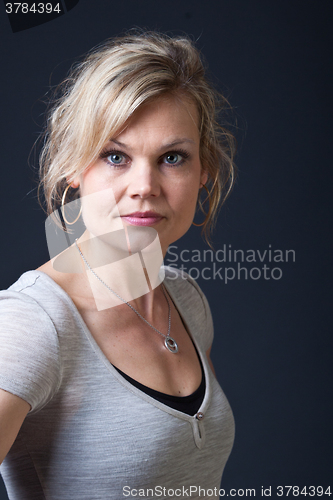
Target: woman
107,388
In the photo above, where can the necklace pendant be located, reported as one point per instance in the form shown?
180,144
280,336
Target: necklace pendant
171,345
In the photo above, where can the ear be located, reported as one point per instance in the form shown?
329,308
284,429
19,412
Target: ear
203,177
75,183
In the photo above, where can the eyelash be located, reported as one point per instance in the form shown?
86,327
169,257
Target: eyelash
180,152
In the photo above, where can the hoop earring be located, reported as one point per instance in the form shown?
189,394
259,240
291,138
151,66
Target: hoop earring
206,214
63,208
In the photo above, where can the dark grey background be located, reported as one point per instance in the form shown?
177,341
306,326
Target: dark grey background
273,341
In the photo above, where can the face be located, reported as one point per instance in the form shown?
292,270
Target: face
148,175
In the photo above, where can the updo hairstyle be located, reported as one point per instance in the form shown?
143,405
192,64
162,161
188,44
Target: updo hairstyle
107,87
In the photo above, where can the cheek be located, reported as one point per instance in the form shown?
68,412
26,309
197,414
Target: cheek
88,184
94,179
185,202
100,212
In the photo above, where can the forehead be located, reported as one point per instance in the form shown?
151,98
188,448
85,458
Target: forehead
167,118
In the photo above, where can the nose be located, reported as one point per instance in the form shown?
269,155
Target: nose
144,180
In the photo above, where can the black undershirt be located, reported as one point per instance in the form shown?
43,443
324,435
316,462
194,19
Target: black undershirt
186,404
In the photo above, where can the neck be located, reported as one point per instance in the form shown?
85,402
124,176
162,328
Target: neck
117,275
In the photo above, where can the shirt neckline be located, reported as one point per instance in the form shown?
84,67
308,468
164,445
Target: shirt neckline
176,300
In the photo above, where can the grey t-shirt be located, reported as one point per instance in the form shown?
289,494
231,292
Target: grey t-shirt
91,435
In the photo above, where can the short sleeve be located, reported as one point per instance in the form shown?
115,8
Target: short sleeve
29,350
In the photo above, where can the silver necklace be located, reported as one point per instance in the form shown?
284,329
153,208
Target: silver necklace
169,342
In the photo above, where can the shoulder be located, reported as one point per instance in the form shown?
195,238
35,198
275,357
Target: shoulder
24,298
186,288
36,302
45,295
190,301
29,344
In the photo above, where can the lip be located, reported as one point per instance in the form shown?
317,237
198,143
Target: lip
148,218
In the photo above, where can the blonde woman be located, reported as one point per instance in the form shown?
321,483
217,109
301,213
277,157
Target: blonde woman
107,388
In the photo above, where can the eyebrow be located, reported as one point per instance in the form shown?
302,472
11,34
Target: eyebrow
164,146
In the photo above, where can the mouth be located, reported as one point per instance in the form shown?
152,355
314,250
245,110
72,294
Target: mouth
143,218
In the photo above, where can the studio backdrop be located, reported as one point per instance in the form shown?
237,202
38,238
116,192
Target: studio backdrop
268,277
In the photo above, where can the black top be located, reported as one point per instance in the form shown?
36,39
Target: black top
186,404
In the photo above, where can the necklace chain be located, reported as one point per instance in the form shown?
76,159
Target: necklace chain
169,342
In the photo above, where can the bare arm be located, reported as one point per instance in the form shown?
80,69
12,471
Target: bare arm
13,411
210,361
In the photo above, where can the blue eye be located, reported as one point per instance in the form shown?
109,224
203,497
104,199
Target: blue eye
116,158
173,158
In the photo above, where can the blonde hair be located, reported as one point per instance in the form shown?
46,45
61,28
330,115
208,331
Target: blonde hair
105,89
